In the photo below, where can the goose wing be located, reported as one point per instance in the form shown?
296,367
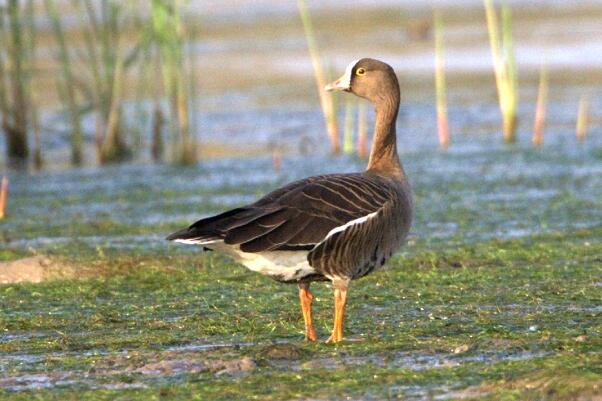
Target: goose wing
295,217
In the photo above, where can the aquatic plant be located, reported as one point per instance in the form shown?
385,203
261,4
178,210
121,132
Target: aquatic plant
502,51
540,108
327,99
440,87
582,119
106,62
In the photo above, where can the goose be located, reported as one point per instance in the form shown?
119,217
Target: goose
335,227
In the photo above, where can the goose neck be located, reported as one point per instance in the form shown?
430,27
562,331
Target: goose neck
383,156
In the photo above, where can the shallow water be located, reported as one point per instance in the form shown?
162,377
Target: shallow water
478,189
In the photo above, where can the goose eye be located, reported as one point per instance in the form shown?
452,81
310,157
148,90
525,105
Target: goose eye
360,71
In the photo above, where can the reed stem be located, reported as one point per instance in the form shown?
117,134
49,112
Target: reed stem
440,86
540,108
33,99
16,111
502,51
112,148
582,119
3,196
348,127
362,131
326,98
157,146
69,84
169,33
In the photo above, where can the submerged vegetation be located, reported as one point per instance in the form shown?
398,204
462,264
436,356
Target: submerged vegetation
444,322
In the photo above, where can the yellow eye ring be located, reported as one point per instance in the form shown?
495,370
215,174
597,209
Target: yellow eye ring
360,71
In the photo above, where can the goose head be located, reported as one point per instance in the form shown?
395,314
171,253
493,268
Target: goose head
367,78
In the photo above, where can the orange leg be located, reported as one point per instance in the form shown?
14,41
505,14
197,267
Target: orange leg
305,297
340,299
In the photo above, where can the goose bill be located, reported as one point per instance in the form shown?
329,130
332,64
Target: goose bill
343,83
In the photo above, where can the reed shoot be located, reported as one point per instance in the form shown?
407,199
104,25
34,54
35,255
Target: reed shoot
540,108
440,87
326,98
502,51
3,196
582,119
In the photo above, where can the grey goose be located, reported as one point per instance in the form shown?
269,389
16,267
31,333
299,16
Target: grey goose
335,227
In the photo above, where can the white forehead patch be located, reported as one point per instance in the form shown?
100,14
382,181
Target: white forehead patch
346,79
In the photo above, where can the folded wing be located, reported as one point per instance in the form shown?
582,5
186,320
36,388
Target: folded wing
297,216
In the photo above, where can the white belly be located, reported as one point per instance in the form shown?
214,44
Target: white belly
281,265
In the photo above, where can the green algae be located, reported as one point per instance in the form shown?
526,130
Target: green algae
483,317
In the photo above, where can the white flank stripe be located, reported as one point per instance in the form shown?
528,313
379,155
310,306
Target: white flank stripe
349,224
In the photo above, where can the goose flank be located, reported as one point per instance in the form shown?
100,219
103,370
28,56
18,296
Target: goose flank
335,227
